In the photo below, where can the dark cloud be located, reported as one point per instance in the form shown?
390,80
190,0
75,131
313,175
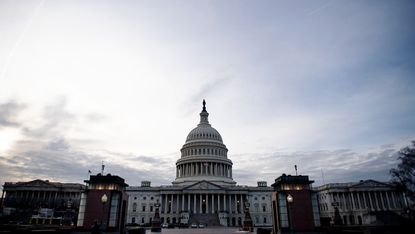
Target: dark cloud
343,165
56,120
57,161
9,112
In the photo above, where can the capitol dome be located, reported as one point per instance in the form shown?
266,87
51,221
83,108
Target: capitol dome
204,156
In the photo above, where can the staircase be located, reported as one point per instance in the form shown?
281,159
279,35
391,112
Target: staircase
210,220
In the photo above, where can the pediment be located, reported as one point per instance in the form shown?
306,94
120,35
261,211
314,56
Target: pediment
37,183
203,185
370,183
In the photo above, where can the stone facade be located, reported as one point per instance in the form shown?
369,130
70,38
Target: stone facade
204,189
359,203
41,193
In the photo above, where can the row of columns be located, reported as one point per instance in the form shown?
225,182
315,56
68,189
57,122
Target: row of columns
373,200
204,151
202,203
40,194
204,168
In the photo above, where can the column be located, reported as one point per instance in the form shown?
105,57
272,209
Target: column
216,169
194,203
161,204
241,204
207,203
230,203
188,202
393,199
166,204
376,200
182,201
382,201
359,203
213,203
225,207
236,204
387,200
230,169
200,203
353,206
211,168
177,203
370,200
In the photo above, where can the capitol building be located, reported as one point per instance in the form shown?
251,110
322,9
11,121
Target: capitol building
204,190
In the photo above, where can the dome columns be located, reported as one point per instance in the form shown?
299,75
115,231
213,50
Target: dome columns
195,169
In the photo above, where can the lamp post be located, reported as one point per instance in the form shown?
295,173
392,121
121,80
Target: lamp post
248,224
155,223
290,201
104,200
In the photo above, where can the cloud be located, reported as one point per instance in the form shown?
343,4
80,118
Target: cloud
9,112
344,165
58,161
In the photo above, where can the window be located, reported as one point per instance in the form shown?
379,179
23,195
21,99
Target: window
135,198
264,208
133,220
151,208
151,198
144,208
142,219
134,207
265,219
144,198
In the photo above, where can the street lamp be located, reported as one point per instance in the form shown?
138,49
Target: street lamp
290,201
104,200
155,223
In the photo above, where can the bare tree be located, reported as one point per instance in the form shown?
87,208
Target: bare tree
404,174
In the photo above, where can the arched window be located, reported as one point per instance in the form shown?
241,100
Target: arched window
134,207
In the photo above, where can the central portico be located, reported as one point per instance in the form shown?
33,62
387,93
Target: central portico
204,190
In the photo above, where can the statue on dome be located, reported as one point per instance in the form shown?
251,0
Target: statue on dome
204,105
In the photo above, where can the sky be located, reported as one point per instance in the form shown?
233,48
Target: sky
324,85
